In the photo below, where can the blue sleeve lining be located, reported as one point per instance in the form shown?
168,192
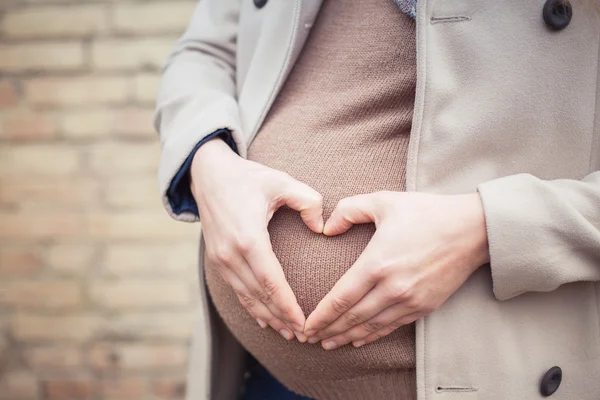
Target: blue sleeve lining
179,192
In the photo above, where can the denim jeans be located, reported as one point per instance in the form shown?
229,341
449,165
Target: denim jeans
261,385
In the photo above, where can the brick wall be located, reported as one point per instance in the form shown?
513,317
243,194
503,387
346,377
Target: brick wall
97,284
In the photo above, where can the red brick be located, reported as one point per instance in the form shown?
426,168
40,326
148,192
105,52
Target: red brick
135,122
40,294
9,95
43,194
68,389
127,388
19,261
28,125
28,225
169,389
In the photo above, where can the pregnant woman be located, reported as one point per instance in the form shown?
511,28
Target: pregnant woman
399,200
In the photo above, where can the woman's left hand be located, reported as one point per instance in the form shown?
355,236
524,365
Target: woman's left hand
425,247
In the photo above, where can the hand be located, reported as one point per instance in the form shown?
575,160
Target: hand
236,199
424,248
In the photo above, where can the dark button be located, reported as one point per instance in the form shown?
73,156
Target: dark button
260,3
551,381
557,14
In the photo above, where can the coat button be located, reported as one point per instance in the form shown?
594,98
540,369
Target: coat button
557,14
551,381
260,3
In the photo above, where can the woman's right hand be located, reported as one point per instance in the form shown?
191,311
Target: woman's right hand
236,199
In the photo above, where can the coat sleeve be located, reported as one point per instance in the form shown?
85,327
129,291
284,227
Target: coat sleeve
542,234
197,94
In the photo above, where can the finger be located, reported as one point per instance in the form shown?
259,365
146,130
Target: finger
272,281
351,287
405,320
350,211
307,201
240,267
384,319
254,307
381,297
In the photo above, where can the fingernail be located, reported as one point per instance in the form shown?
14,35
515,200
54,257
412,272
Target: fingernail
286,334
262,323
301,337
313,340
358,343
310,333
329,345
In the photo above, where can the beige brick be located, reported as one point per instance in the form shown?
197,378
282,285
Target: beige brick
43,194
10,97
78,91
157,17
134,193
29,225
137,226
38,160
53,358
129,122
18,385
47,56
16,261
40,294
71,259
153,325
111,54
68,389
76,20
169,388
122,159
110,356
146,87
130,294
124,388
18,125
87,123
152,259
69,328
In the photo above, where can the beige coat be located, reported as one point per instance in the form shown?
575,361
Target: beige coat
504,106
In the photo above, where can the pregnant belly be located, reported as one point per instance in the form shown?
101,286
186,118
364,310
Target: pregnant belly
312,264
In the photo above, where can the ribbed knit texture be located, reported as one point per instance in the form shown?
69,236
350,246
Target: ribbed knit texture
340,124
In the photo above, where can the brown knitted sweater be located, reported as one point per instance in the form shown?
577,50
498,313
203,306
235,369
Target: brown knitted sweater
340,124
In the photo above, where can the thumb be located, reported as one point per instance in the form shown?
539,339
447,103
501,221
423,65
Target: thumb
350,211
307,201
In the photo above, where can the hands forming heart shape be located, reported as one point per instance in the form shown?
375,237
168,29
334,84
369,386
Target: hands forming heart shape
424,248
